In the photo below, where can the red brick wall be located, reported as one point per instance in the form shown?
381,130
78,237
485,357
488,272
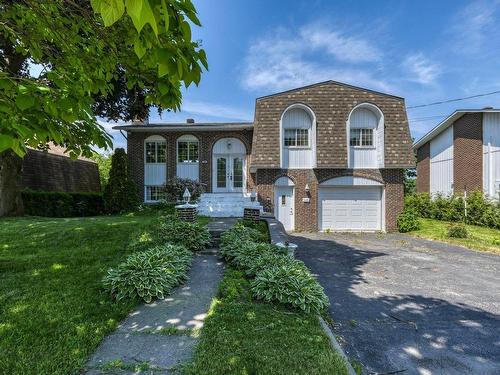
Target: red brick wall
468,153
332,103
424,168
306,214
135,150
50,172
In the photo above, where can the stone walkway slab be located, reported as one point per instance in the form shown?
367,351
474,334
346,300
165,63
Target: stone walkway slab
142,336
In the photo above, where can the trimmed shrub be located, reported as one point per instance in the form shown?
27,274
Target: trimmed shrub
175,187
120,194
193,236
149,274
59,204
408,221
458,230
290,284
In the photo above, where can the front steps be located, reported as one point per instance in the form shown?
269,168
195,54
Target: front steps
225,204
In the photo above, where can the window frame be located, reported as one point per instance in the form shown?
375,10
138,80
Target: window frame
156,149
296,138
189,159
147,197
360,144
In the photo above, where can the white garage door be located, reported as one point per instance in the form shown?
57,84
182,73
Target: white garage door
351,208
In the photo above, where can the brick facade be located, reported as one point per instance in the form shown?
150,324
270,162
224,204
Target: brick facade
424,168
331,102
135,147
468,153
306,214
50,172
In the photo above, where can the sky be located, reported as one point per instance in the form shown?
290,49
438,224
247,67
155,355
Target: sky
424,51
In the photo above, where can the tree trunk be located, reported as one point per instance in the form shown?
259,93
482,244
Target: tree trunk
11,167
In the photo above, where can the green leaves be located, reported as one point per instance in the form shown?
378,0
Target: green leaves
141,14
24,101
111,11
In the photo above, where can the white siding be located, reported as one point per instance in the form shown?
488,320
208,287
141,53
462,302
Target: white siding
188,170
491,153
155,174
304,157
367,157
441,163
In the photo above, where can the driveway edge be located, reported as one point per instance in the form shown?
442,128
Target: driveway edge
335,345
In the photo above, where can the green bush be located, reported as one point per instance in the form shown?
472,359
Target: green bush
290,284
260,226
149,274
458,230
175,187
270,259
234,238
120,194
58,204
193,236
408,221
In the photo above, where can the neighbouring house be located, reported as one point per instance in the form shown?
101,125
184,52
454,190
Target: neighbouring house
461,154
328,156
54,170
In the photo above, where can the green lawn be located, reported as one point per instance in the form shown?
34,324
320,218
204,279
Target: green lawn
53,313
243,337
481,238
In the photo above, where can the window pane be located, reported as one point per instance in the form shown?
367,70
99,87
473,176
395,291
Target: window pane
355,137
221,172
237,172
150,152
367,138
154,193
290,137
302,137
193,151
161,149
182,152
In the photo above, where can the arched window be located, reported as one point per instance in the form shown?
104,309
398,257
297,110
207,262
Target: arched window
365,129
298,135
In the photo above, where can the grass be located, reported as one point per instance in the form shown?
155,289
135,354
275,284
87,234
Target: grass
242,336
53,312
481,238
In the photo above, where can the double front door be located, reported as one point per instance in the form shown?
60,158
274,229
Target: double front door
228,173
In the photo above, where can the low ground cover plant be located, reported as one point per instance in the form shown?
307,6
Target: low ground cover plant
275,276
193,236
149,274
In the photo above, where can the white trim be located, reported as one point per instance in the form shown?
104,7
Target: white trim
284,181
312,132
377,135
350,181
153,139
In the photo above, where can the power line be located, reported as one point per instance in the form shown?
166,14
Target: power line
454,100
426,118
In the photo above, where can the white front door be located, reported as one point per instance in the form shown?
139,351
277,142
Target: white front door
351,208
284,206
229,173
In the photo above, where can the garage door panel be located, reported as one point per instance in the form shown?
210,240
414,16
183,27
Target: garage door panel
351,208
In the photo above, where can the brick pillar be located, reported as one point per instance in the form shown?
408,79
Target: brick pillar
187,212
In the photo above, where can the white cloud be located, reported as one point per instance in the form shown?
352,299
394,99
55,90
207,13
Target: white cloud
286,60
343,48
216,110
422,70
474,25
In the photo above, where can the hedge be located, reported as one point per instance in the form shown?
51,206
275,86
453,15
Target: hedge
59,204
480,210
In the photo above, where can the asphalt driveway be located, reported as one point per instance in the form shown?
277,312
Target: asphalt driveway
409,306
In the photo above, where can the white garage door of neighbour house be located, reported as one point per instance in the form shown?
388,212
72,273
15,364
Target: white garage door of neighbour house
350,208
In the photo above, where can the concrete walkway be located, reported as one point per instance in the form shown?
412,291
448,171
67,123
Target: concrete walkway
160,333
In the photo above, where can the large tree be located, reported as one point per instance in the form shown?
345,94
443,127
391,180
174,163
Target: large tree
111,58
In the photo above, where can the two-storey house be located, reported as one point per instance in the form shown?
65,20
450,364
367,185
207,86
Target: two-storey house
328,156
